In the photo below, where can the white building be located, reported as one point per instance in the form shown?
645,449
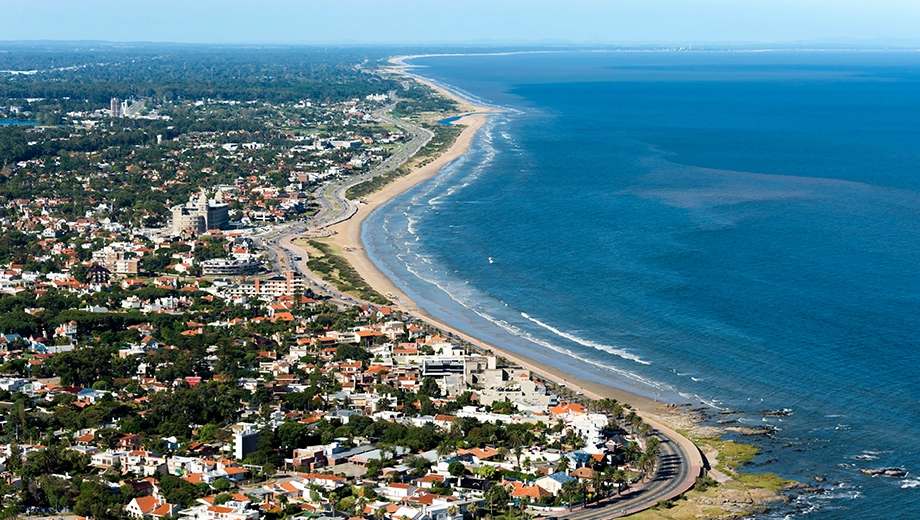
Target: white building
201,214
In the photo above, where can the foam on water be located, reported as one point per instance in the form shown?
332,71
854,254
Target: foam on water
588,343
721,242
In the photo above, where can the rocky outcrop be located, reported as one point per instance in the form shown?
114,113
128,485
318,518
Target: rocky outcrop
751,431
742,500
885,472
777,413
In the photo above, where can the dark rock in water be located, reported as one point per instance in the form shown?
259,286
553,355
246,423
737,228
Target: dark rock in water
819,479
726,421
751,431
785,412
887,472
728,412
787,445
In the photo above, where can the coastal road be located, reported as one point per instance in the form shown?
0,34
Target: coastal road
334,206
674,475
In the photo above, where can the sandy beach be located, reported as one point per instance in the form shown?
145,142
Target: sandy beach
348,237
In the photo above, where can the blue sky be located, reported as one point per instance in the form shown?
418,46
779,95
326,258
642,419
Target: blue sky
457,21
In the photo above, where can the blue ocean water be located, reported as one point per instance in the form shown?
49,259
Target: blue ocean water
735,229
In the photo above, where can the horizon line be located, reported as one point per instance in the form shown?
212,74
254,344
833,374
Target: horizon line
816,44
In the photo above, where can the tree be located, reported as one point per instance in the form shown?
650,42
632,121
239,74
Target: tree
221,484
419,465
293,435
57,491
79,272
456,469
563,464
517,455
333,501
645,429
568,490
644,464
486,472
96,500
445,448
497,497
653,445
430,387
651,453
597,482
620,478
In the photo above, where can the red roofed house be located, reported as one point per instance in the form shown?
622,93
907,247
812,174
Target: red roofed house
520,490
568,408
237,474
150,507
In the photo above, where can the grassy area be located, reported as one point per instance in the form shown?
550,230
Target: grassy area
698,502
763,481
731,454
328,263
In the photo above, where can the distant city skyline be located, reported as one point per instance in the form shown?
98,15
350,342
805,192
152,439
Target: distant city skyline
470,21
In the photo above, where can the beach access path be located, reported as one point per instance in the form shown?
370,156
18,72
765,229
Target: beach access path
681,461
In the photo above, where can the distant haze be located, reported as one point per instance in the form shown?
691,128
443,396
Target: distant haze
469,21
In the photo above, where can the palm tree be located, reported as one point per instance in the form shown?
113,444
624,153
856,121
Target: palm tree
645,464
645,429
609,473
651,453
653,446
632,450
563,464
517,455
452,511
504,452
620,479
333,500
597,481
568,489
635,421
445,448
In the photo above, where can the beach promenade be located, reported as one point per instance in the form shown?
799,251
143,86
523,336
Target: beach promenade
681,461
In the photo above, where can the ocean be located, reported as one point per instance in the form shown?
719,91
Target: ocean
735,230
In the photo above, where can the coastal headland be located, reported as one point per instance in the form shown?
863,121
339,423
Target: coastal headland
346,236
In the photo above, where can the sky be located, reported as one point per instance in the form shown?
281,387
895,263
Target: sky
461,21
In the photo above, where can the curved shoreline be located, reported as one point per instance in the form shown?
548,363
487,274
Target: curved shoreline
348,238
